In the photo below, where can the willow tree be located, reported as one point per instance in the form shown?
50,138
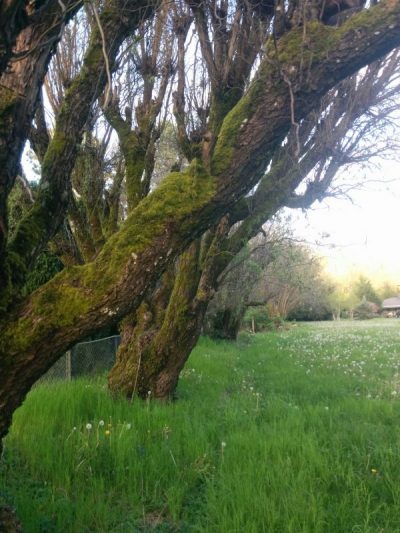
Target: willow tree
298,66
160,335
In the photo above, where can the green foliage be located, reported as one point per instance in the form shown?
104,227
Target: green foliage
18,204
46,267
364,290
366,310
387,290
223,323
296,431
259,317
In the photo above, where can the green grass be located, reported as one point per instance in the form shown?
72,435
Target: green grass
293,431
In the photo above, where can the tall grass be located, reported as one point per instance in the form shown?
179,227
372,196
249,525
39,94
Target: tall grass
293,431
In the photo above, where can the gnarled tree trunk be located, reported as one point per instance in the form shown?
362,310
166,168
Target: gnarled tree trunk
155,348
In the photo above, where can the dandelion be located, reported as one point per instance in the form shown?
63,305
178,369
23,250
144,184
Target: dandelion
101,423
166,431
374,471
128,426
107,433
89,426
223,446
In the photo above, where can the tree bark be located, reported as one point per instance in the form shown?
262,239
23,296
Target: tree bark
155,349
138,330
20,85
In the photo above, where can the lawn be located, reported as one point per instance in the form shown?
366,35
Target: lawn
288,431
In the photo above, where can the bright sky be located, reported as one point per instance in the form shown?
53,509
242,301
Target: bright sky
365,233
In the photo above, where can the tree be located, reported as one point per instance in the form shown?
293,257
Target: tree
364,291
328,139
296,69
247,270
292,284
388,290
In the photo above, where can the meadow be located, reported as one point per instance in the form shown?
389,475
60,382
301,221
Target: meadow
290,431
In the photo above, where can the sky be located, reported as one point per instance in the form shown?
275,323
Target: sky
363,234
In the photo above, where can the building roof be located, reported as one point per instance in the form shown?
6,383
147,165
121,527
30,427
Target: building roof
391,303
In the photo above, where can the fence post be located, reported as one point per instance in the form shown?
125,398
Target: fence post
68,365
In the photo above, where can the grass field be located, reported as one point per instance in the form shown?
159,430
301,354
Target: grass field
291,431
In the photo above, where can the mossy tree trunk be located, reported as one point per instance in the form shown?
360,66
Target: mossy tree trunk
156,346
151,351
20,85
48,212
157,343
83,299
137,333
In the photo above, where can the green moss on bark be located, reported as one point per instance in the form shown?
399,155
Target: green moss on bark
56,304
66,298
230,132
179,195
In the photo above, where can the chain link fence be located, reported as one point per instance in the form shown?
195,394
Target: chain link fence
85,359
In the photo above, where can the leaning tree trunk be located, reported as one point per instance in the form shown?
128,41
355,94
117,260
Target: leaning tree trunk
156,344
138,330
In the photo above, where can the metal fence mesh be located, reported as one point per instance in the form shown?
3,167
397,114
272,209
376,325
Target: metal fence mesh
85,359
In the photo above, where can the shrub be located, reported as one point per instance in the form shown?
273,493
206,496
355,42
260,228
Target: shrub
261,319
366,310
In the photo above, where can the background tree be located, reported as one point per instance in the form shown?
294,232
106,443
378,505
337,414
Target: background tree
293,284
365,291
236,288
342,301
388,289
